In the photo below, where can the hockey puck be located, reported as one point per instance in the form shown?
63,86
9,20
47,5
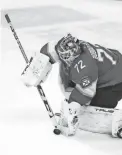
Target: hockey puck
57,131
119,133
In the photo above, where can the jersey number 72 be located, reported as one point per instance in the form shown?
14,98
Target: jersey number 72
79,66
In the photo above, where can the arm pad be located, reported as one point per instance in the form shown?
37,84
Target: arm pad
49,50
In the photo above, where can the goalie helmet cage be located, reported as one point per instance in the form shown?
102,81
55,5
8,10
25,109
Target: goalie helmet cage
39,88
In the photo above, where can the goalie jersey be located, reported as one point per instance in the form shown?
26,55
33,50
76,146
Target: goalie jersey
95,63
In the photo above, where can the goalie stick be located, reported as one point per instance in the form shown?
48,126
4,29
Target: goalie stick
39,88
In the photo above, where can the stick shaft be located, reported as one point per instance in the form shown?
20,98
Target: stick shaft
16,38
39,88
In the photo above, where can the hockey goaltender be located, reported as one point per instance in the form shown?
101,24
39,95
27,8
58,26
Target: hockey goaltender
91,80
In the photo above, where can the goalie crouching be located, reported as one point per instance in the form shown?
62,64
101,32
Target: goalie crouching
90,75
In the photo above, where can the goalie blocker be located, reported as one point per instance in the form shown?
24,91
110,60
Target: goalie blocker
37,70
39,66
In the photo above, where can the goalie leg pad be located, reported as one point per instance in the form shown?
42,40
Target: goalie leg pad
117,124
96,119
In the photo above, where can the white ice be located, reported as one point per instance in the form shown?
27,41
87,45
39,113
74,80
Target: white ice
25,128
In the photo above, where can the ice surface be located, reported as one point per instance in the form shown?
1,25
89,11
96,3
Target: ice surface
25,128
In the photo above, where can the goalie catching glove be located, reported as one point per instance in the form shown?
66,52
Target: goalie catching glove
36,70
68,120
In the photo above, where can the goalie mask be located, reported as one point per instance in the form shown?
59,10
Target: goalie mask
68,49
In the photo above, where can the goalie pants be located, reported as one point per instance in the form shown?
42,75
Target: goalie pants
107,97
